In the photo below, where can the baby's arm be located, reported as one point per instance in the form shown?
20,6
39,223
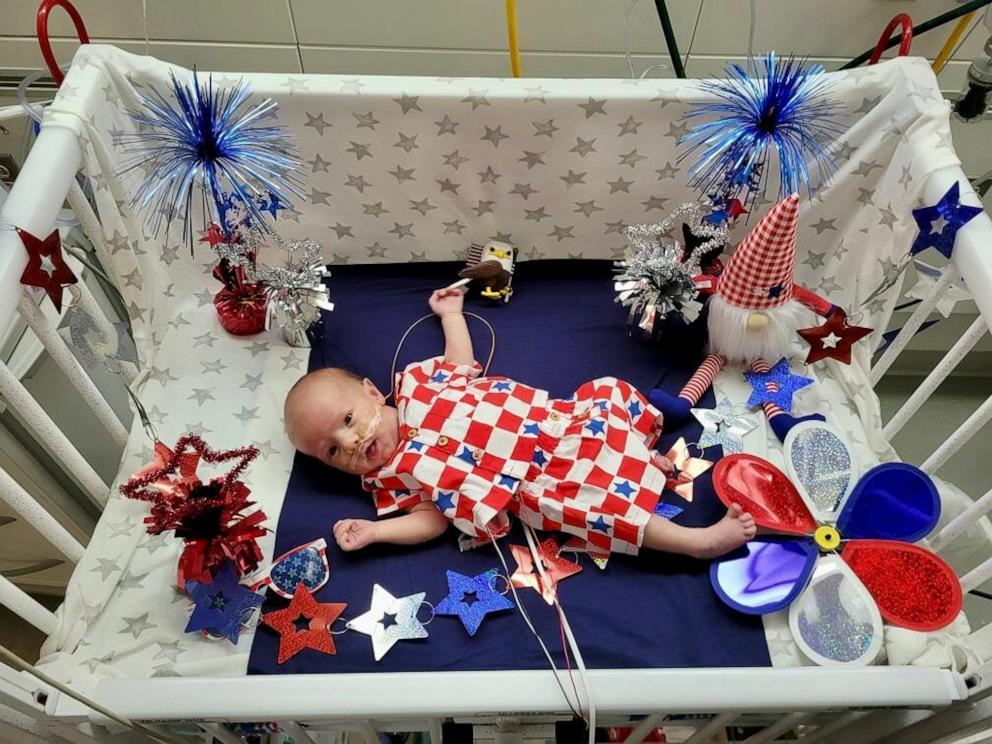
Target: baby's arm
447,305
423,522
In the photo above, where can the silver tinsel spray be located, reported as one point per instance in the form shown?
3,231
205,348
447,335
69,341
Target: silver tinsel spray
656,277
296,291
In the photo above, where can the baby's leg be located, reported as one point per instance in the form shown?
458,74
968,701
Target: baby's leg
735,529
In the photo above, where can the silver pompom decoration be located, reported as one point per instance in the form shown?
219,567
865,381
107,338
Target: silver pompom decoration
656,278
296,291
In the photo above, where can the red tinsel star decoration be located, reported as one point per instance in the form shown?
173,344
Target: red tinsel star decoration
206,515
833,339
46,268
317,634
555,567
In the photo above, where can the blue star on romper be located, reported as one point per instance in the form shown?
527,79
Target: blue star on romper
466,455
445,500
502,386
532,429
416,446
596,426
940,223
599,524
471,598
508,482
539,457
780,376
603,404
439,377
634,408
624,489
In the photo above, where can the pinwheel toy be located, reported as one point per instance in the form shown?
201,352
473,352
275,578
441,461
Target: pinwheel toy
843,557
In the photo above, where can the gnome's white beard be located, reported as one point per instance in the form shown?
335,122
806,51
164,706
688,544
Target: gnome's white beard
729,334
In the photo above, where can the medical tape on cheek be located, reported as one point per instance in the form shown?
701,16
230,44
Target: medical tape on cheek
364,434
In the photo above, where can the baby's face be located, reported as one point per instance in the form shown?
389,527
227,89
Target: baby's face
344,423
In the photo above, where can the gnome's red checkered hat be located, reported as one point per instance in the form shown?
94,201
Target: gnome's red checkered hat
759,273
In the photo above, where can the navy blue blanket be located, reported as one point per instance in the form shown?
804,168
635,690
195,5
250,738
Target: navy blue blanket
560,329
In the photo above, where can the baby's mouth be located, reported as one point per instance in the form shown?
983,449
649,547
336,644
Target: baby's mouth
372,450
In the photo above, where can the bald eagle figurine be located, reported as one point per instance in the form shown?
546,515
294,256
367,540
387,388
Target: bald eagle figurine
490,267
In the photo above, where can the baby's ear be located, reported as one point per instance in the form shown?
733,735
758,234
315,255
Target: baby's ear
373,391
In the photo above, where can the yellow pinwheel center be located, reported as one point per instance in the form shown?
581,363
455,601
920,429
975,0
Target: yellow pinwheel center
826,537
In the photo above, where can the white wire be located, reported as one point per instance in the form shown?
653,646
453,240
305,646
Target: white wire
572,643
530,625
296,36
144,21
750,33
628,9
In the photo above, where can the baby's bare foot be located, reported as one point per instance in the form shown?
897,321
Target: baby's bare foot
736,528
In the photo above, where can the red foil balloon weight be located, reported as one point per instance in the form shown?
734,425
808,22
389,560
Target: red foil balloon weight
241,309
209,516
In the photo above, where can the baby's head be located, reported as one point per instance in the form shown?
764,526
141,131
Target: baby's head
342,420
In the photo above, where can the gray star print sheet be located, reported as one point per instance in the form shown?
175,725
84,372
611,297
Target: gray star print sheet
416,169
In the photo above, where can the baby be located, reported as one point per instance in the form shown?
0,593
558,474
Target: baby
467,449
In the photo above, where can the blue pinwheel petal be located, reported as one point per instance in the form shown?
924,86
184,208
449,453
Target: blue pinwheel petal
892,501
765,575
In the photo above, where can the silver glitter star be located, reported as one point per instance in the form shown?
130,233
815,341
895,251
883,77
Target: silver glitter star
722,426
390,619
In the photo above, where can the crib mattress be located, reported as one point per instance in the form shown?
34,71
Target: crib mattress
560,329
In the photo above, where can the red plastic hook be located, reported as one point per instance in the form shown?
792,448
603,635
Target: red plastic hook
46,45
905,43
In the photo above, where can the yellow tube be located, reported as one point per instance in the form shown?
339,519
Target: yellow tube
952,39
511,35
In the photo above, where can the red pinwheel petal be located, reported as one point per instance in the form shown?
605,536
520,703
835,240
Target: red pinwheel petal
912,586
764,490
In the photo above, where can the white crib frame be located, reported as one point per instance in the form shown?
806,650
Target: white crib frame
823,704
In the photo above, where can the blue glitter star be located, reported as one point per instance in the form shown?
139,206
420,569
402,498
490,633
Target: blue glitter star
466,455
502,386
599,524
220,606
472,598
596,426
532,430
445,500
273,205
624,489
439,377
634,408
940,223
539,457
508,482
762,384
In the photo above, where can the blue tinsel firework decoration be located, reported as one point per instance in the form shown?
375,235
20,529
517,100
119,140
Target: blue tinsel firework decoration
785,111
212,143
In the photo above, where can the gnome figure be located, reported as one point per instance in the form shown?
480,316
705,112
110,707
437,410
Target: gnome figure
754,313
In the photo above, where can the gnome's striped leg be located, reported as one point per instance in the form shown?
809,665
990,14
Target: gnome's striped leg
771,410
702,378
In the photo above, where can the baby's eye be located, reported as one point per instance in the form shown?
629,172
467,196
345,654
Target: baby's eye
347,419
333,450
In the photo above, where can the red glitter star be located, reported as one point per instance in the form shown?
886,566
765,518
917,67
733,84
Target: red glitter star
317,636
833,339
735,208
46,268
555,568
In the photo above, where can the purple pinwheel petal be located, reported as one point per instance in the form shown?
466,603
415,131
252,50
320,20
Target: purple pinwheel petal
765,575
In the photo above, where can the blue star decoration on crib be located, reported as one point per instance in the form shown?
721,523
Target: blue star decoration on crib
939,224
390,619
222,606
777,385
471,598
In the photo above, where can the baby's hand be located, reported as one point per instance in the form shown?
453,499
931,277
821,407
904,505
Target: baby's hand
353,534
446,301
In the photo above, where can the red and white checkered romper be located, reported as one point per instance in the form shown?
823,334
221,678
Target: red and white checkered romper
482,447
